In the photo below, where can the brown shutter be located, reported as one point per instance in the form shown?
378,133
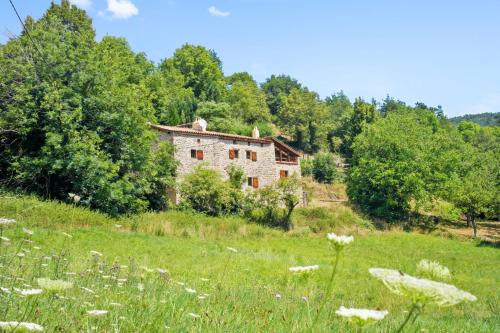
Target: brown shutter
254,156
199,154
255,182
231,154
282,173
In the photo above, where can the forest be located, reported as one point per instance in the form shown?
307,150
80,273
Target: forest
75,114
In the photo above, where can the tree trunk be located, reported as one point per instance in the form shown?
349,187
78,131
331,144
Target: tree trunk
468,220
474,226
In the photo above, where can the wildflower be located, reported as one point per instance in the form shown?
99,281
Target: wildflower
162,270
190,291
95,253
433,270
115,304
54,285
20,254
37,247
70,273
232,249
5,222
361,317
204,279
28,231
180,283
121,280
76,198
421,291
97,313
5,239
202,297
194,315
5,290
140,286
118,226
90,291
277,296
303,269
339,241
15,326
304,298
66,234
29,292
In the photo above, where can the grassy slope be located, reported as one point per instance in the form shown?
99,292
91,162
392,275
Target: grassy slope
243,285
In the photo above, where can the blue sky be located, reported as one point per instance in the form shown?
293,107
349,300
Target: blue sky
437,52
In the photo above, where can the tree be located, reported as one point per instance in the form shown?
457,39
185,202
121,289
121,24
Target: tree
78,115
324,168
247,101
276,87
338,107
201,71
303,116
394,164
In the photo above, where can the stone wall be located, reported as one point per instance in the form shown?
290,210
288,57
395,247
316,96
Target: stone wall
216,156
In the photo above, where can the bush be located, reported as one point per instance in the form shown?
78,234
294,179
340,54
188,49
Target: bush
236,176
273,205
324,168
306,168
206,192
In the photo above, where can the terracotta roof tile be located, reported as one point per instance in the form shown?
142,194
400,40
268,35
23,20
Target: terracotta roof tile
192,132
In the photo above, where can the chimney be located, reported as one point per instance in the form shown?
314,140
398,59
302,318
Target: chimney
200,124
255,133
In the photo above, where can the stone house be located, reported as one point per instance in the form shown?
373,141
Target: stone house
264,160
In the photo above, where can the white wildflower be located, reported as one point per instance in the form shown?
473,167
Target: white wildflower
232,249
97,313
66,234
90,291
277,296
140,286
123,280
194,315
96,253
339,241
180,283
202,297
421,290
190,291
433,270
115,304
5,239
29,292
5,290
303,269
5,222
118,226
204,279
15,326
20,254
361,317
162,270
28,231
54,285
37,247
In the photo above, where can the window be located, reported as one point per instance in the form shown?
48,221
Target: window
199,154
198,140
249,154
283,173
253,182
234,153
193,153
254,156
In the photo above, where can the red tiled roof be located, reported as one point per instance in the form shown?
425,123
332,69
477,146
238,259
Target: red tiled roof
192,132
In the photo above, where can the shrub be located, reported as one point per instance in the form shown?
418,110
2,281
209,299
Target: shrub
324,168
306,168
206,192
273,205
236,175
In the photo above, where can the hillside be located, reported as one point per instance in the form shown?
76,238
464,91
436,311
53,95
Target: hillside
221,274
483,119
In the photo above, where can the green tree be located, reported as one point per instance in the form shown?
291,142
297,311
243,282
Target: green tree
324,169
246,99
78,115
276,87
338,107
201,71
303,116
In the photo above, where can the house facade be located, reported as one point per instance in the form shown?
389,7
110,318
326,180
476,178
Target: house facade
264,160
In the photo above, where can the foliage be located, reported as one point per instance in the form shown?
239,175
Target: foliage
483,119
399,161
302,116
206,192
276,87
306,167
201,71
273,205
76,115
246,99
324,169
236,175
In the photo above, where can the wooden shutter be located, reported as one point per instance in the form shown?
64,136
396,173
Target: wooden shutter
282,173
199,154
254,156
231,154
255,182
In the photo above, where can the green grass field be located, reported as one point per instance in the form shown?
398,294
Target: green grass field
235,291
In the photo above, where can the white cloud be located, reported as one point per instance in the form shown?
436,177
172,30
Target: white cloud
122,9
215,12
85,4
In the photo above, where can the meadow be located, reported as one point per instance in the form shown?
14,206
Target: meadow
180,272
